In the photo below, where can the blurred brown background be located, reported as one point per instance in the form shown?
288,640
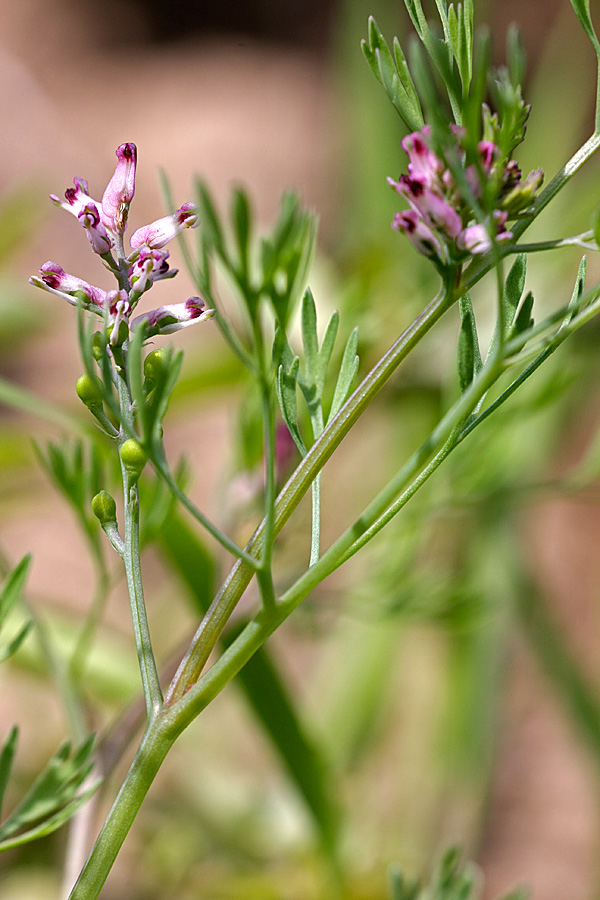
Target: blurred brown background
250,92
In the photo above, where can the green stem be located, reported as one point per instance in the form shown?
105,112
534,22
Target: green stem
131,558
240,575
315,532
265,574
153,749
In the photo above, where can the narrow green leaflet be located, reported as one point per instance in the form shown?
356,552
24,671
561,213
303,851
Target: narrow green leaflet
13,587
582,11
287,380
242,223
402,888
469,356
286,366
316,360
15,642
515,56
460,38
523,319
53,797
211,233
53,823
347,374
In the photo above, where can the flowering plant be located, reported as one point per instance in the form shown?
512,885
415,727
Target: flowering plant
468,207
105,224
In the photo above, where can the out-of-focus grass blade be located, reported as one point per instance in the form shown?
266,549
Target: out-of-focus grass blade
580,698
261,683
194,564
19,398
9,594
6,760
270,700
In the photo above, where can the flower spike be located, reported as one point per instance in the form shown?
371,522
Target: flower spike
137,271
442,222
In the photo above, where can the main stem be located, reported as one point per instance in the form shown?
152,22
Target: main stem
153,749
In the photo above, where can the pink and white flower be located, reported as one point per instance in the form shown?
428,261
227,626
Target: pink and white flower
150,266
167,319
159,233
120,189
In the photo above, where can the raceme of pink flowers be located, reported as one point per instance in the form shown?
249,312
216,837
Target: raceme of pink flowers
105,223
440,221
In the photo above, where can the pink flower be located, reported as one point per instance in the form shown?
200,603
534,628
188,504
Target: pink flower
77,198
419,233
95,231
474,239
56,277
167,319
423,164
120,189
159,233
150,266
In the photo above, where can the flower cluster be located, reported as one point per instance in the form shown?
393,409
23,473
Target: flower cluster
441,221
105,223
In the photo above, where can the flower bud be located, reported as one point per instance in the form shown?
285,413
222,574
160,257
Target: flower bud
104,508
133,458
89,390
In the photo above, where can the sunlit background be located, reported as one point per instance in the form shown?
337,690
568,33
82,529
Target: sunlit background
441,708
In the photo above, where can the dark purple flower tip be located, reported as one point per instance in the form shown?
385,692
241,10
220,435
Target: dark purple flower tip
195,306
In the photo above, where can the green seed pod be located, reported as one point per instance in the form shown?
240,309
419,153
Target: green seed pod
89,391
133,458
155,365
104,508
